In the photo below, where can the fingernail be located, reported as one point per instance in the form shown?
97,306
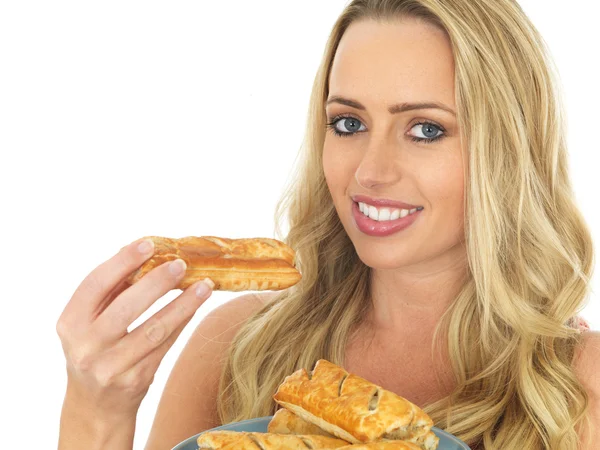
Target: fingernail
204,287
145,247
177,267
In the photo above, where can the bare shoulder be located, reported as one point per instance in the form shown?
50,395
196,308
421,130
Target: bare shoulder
188,402
587,361
587,369
226,319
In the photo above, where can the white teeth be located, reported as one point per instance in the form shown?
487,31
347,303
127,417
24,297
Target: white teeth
383,214
373,213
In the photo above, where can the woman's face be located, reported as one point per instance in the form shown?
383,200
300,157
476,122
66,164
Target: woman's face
378,65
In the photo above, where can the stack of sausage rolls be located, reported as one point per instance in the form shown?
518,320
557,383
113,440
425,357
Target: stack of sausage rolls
331,408
328,408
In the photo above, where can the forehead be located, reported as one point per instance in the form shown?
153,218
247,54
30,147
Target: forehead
395,61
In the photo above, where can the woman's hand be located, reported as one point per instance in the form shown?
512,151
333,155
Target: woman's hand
110,369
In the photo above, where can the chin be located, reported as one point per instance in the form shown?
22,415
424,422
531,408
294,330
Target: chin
384,259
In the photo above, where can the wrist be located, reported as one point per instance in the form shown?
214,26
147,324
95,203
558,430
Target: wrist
85,426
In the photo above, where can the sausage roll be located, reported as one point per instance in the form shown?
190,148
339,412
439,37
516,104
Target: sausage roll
221,440
255,264
286,422
387,445
351,407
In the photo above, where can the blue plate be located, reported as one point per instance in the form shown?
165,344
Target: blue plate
259,425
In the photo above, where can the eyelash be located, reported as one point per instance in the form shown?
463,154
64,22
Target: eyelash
331,126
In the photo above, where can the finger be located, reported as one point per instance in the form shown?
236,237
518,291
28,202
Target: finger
119,288
122,359
152,360
163,348
162,329
139,375
131,303
98,284
110,297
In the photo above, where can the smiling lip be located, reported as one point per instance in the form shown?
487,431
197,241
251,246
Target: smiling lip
375,228
382,202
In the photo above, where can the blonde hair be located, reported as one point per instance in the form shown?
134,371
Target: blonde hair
510,331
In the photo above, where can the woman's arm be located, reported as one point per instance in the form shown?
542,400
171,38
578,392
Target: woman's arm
587,368
189,401
109,369
81,427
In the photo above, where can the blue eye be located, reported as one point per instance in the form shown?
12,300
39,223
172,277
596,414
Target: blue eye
351,124
429,129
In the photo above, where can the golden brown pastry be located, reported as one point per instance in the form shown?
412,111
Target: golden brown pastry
221,440
351,407
286,422
388,445
427,441
255,264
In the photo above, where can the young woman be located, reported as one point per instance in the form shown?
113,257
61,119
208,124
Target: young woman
444,117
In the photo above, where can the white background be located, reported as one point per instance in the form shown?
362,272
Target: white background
120,119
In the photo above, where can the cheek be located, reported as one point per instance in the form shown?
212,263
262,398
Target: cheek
445,178
448,190
337,169
445,188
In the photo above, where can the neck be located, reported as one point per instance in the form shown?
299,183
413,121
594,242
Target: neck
411,300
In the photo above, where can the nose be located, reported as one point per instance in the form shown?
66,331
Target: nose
380,164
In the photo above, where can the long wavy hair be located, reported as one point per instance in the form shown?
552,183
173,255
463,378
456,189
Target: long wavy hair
510,331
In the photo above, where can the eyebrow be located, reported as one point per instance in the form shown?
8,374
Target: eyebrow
393,109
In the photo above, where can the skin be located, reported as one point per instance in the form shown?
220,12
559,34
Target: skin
110,369
417,271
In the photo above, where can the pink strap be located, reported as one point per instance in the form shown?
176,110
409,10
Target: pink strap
582,324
